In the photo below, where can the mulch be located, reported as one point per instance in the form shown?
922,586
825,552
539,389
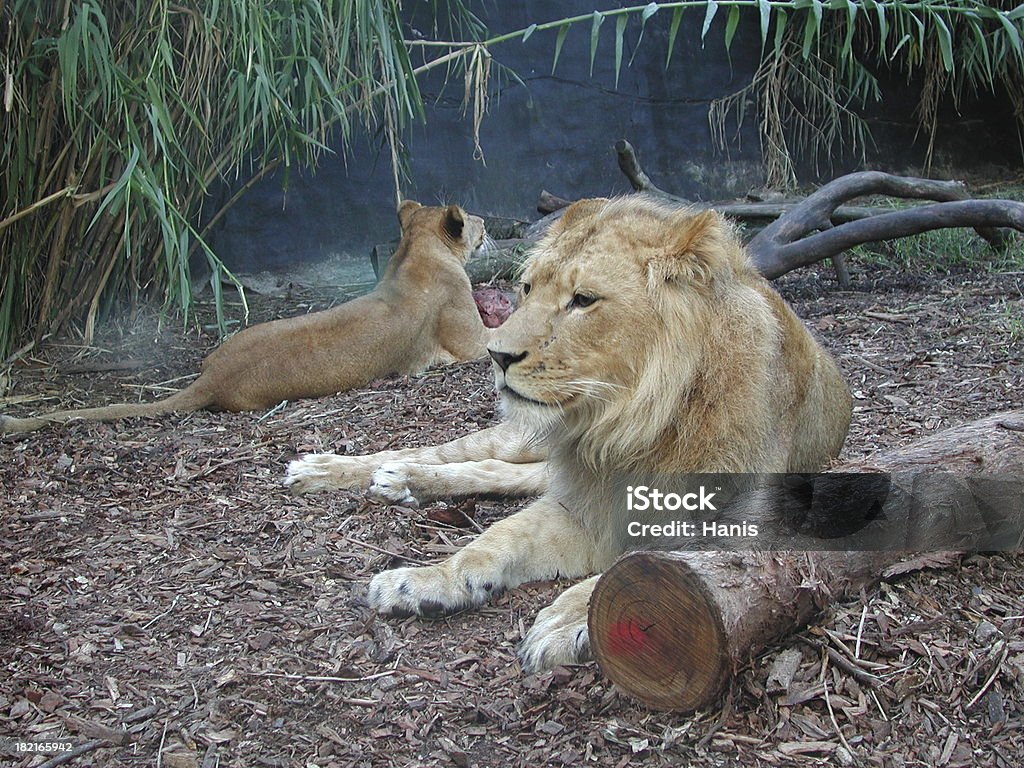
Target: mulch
164,601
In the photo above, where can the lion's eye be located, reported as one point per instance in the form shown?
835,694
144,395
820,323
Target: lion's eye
525,288
581,301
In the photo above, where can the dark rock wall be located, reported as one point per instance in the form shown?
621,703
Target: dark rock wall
555,133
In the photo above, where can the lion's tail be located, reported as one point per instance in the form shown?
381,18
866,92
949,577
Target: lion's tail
191,398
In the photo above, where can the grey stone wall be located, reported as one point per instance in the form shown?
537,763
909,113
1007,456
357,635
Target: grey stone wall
554,132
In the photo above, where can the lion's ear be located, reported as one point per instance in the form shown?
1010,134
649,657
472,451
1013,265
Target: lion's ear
405,211
696,253
577,212
454,221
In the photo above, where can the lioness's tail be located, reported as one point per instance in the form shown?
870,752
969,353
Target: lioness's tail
189,399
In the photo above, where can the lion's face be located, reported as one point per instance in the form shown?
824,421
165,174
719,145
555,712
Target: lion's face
612,285
461,232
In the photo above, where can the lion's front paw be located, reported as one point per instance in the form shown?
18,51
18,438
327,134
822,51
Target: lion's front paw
310,473
558,636
390,483
326,471
428,591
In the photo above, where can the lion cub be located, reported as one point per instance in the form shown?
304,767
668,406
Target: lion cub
421,313
644,343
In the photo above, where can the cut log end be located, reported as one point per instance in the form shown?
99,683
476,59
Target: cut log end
665,645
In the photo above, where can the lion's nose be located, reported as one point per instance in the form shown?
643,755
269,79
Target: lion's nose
505,359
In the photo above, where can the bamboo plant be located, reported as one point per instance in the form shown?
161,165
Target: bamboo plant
120,118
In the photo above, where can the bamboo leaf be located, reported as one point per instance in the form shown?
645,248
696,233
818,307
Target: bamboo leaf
781,20
765,10
559,40
812,23
1011,32
649,10
883,25
709,16
673,30
945,41
529,31
620,30
730,26
595,32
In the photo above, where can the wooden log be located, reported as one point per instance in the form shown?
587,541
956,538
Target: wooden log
549,203
670,628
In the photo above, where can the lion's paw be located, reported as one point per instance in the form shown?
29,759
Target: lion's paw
390,483
558,636
315,472
427,591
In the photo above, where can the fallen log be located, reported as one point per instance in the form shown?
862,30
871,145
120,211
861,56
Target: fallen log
670,628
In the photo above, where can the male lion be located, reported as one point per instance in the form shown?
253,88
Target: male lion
644,343
421,313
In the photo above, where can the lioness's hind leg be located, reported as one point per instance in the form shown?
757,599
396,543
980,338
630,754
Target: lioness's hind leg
408,483
560,634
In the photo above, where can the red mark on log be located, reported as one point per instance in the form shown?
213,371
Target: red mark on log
628,637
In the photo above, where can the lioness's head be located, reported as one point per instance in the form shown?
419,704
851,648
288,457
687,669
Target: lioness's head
620,303
462,233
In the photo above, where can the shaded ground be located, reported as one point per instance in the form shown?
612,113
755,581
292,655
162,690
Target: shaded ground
156,577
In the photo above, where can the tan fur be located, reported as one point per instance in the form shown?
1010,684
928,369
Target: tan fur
644,343
421,313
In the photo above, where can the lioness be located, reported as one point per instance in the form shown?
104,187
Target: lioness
644,343
421,313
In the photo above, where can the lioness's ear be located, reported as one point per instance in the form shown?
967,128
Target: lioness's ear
454,221
405,211
698,250
577,212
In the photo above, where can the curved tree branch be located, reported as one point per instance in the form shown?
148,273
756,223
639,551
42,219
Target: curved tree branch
774,258
818,209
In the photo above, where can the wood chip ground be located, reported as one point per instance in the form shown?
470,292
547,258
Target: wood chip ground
164,601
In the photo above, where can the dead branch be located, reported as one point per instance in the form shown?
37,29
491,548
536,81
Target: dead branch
822,226
774,255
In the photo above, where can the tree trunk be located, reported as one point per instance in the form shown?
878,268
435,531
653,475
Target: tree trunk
670,628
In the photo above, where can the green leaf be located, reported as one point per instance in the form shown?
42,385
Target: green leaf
562,32
781,19
812,23
709,16
945,41
883,26
595,33
649,10
620,29
1016,13
529,31
673,30
851,10
1011,31
730,26
765,10
986,58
